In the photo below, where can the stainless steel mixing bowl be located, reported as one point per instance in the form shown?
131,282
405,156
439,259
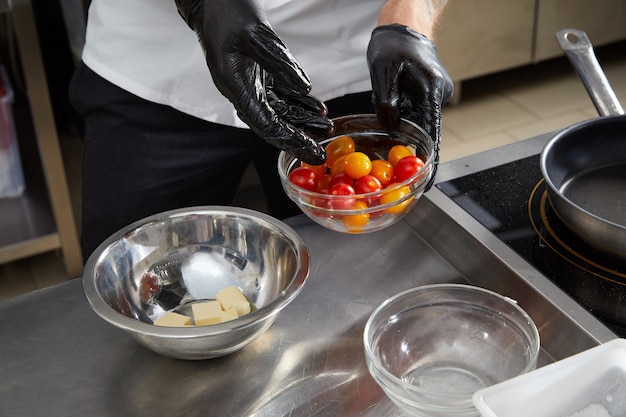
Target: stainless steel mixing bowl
171,260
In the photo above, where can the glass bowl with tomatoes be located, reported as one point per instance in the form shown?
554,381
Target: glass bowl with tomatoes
371,177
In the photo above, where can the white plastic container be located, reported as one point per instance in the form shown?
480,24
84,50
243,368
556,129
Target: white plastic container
589,384
11,176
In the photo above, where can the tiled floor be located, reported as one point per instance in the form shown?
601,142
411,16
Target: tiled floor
493,111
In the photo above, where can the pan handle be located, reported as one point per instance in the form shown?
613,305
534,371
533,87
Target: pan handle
579,50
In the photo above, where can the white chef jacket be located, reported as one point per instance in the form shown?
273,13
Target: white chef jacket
146,48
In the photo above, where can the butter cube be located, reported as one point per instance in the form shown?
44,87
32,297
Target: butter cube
228,315
205,313
232,297
172,319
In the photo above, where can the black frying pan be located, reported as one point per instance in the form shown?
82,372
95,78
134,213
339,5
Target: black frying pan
584,165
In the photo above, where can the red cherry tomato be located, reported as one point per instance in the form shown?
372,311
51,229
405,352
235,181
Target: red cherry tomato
341,188
407,167
323,202
342,191
341,145
367,184
304,178
342,178
323,182
376,214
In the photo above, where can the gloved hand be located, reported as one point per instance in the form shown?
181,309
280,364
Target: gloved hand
408,81
252,67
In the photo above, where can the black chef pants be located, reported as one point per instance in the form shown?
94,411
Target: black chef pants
142,158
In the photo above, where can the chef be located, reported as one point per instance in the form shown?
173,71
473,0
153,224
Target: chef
179,96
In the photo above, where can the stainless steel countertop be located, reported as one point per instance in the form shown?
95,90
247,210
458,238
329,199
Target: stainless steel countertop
57,358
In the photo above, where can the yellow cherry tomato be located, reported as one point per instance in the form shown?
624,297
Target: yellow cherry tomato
357,164
395,193
341,145
320,170
338,167
355,222
383,171
397,152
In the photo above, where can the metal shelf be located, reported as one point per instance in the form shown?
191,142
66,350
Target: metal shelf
42,219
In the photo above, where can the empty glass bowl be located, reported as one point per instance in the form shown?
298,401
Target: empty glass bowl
431,348
338,212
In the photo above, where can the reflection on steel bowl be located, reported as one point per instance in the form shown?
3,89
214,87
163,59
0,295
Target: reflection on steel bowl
169,261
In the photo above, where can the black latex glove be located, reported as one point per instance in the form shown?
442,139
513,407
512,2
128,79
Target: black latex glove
408,81
252,67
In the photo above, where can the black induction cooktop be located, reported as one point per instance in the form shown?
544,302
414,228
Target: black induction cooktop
511,201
